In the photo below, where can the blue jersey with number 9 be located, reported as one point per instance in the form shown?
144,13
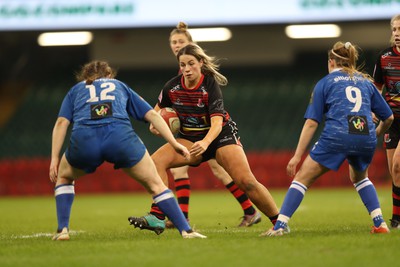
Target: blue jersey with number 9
347,103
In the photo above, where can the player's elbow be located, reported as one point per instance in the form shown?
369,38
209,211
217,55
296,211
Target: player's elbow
151,115
389,120
62,122
311,124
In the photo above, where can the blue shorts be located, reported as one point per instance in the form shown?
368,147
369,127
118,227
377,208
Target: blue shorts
116,143
333,159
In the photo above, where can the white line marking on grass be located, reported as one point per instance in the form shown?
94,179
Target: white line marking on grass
230,230
32,236
42,235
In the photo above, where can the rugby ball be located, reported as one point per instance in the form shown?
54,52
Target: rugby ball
171,118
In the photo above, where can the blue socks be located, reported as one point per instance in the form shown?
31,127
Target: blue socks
297,190
368,195
293,198
169,206
64,195
292,201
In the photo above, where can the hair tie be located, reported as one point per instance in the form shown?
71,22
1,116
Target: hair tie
347,45
338,56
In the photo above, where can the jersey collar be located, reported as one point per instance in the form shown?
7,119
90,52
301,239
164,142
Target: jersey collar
197,85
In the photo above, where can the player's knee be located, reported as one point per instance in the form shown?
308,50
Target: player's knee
396,168
180,172
396,173
218,174
247,183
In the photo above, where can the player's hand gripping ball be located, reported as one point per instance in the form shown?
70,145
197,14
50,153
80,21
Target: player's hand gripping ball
171,118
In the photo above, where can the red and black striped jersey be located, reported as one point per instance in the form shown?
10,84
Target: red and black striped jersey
195,106
387,73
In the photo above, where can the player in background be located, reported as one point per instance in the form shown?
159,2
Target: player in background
345,99
99,107
207,129
180,37
387,78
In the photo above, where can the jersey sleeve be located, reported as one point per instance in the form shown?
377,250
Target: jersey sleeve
315,109
137,107
377,74
66,110
164,99
215,98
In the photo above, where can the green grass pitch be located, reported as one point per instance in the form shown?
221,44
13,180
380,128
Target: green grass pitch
331,228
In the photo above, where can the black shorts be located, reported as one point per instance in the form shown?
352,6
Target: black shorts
228,136
392,136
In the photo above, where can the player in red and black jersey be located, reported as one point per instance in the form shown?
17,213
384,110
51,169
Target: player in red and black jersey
206,128
195,106
387,78
180,37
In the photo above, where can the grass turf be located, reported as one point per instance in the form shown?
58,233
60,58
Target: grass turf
331,228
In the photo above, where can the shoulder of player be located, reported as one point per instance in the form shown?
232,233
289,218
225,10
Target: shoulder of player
209,81
77,87
325,82
389,51
173,81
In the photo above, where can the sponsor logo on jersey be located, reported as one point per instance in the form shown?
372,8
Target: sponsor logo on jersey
178,102
387,54
358,124
192,120
101,110
200,103
225,138
175,88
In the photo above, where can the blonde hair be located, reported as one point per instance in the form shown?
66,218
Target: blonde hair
181,28
210,64
95,70
346,56
394,18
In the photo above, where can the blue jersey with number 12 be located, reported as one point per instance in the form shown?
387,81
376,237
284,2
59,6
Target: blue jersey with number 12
102,102
346,102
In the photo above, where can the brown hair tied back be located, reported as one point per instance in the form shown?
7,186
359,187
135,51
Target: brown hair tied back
95,70
346,57
345,54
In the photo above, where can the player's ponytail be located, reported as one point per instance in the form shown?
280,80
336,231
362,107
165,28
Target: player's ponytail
346,57
95,70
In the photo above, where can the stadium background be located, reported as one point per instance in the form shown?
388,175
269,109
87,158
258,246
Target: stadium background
270,81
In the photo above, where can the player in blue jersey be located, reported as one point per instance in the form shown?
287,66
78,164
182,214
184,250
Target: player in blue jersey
345,99
180,37
207,129
100,108
387,78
